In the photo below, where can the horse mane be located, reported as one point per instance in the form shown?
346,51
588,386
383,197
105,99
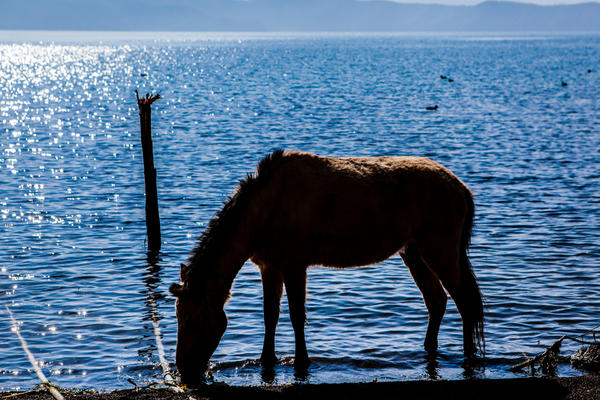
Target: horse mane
202,260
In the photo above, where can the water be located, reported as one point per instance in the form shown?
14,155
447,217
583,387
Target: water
73,267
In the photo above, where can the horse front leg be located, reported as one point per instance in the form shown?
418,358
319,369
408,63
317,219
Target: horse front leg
295,287
272,289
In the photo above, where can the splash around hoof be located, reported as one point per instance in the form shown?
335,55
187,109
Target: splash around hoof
268,360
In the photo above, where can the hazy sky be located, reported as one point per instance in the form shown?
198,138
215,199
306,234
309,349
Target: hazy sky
291,15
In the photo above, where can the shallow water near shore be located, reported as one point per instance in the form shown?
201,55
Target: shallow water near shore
73,265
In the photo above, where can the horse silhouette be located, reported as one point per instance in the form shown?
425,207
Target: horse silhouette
301,209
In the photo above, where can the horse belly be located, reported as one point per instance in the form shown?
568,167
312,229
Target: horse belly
341,233
353,251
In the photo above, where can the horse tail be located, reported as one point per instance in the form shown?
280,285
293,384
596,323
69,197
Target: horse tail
473,293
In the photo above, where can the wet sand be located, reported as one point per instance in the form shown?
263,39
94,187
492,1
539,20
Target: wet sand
574,388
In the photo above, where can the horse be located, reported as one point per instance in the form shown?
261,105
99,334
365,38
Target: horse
298,210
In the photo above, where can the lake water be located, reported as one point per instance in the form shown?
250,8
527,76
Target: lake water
73,265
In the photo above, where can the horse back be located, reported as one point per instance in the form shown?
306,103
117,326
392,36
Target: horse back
355,211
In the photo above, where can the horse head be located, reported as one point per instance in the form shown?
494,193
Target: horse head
200,325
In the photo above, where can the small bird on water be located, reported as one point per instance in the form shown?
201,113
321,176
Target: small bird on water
431,108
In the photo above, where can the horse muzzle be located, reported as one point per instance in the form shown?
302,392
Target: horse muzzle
193,375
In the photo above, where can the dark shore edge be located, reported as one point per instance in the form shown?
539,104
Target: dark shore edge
577,388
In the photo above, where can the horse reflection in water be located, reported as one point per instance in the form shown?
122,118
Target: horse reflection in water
299,210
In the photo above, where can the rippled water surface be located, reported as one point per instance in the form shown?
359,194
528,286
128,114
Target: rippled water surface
73,265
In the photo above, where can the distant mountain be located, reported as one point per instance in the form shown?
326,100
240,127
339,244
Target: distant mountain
293,15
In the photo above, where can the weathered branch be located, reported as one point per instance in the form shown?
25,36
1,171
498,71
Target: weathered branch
148,100
549,358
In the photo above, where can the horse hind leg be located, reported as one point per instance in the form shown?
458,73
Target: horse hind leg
452,267
272,282
434,296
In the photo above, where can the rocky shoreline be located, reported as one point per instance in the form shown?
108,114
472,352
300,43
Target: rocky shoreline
572,388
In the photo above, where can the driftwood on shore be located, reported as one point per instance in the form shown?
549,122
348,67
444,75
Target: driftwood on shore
586,358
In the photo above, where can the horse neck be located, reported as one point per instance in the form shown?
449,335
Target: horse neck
220,262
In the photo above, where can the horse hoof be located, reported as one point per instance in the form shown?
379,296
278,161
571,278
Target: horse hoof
431,352
268,361
431,346
301,363
301,368
470,352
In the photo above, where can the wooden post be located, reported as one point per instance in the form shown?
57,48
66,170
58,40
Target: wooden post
152,218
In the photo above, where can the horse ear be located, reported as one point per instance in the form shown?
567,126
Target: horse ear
177,290
183,271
